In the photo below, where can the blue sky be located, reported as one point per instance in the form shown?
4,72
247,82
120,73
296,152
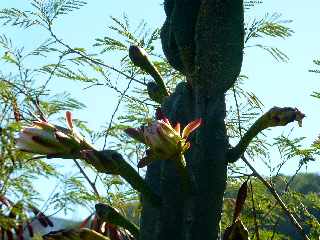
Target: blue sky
277,84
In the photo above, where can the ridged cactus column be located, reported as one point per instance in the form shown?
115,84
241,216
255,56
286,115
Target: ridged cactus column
204,41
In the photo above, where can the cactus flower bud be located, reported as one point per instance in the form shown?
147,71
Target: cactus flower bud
47,139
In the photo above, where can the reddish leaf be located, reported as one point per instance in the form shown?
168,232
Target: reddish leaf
50,223
2,233
30,229
35,210
42,220
159,114
241,198
144,161
191,127
9,234
94,224
19,232
5,201
113,232
166,120
86,221
237,231
135,134
177,128
69,119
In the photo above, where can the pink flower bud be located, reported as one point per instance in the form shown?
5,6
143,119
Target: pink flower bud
47,139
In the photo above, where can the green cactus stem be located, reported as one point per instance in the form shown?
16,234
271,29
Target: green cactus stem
109,214
276,116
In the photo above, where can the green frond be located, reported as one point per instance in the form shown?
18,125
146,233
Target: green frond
276,53
51,9
269,25
43,49
17,17
124,36
59,103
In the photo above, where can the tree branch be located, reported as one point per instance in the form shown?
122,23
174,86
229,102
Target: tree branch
254,213
278,199
92,184
114,113
276,116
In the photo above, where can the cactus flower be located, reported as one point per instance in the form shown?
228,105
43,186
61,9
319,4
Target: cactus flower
47,139
164,140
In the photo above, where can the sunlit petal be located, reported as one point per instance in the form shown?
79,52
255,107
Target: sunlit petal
177,128
69,120
164,140
191,127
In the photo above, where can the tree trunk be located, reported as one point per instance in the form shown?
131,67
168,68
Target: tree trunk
204,40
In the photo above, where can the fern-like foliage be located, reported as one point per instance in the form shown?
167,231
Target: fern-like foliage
51,9
268,26
291,148
17,17
24,92
44,13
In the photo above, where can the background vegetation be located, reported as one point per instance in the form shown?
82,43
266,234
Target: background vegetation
26,78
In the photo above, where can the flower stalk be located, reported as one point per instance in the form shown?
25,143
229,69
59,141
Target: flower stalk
111,215
181,166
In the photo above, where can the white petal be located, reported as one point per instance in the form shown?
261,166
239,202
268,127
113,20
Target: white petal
26,143
45,134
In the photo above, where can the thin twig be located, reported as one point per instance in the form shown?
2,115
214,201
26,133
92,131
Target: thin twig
52,72
114,113
286,189
278,199
293,177
91,59
270,188
238,110
254,212
93,186
45,205
34,102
